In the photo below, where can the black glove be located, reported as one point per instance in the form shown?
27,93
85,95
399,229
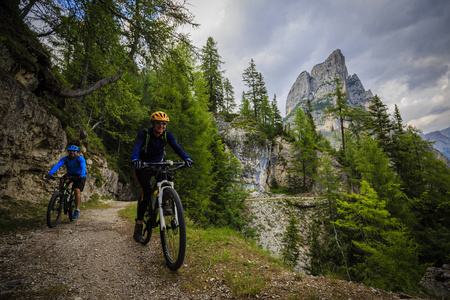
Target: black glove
188,162
48,176
137,164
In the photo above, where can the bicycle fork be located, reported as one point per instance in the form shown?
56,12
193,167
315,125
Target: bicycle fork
161,188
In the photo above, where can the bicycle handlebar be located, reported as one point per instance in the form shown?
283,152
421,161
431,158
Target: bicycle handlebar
167,163
64,177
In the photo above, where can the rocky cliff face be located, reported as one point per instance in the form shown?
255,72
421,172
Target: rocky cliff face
261,160
441,142
32,141
317,85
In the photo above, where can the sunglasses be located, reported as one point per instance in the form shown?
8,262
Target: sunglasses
160,123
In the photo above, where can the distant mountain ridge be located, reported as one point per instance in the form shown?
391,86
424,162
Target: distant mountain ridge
441,140
317,86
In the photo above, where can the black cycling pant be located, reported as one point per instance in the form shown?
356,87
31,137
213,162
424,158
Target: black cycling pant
143,177
78,183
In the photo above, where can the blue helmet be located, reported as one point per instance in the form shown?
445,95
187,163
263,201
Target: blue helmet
73,148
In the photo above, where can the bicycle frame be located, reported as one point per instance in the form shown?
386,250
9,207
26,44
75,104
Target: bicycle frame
161,185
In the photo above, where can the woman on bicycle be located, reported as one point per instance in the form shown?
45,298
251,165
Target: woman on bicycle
149,147
76,165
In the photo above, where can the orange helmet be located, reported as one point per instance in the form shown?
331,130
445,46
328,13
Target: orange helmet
159,116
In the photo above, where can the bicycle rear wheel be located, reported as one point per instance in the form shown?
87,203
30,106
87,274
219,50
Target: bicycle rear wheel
173,237
54,209
72,207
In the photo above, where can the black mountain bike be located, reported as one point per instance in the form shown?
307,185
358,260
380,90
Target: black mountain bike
61,198
172,225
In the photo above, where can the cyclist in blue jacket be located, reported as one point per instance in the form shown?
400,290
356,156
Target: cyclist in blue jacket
76,166
149,147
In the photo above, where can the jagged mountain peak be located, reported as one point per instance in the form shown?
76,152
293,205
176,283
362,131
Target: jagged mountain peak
317,85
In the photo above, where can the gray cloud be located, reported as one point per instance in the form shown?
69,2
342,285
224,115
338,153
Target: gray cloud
399,49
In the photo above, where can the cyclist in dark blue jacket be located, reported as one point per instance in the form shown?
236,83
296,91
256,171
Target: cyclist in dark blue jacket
149,147
76,165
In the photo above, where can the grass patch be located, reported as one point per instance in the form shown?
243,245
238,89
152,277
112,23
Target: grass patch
218,255
245,284
17,215
129,213
96,202
225,255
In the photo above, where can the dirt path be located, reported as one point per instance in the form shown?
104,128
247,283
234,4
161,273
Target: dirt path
95,257
101,262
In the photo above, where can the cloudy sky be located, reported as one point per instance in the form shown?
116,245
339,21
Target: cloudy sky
400,49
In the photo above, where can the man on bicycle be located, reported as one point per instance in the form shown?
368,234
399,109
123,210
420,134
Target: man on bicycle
149,147
76,166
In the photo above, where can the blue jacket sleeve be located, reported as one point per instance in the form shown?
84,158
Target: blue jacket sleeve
83,167
60,163
138,144
173,143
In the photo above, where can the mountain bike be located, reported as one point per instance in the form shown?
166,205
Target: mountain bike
172,225
61,198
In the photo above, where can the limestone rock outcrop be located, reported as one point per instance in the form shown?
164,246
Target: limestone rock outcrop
31,142
261,160
317,86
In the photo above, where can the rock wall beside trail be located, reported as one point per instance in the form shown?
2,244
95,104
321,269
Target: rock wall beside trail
31,142
262,160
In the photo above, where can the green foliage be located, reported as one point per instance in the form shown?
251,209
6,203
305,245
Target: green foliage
341,110
291,242
324,251
378,122
306,156
213,75
228,195
380,243
229,103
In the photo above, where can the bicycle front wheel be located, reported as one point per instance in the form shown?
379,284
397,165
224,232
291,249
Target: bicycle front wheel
72,207
148,224
173,237
54,209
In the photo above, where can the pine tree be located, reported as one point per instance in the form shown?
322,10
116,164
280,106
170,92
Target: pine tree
229,102
291,242
378,122
384,255
277,120
245,108
211,71
187,107
341,110
228,195
256,88
305,146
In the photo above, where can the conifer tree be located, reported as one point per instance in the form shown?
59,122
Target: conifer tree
187,108
341,110
398,121
256,88
229,102
228,195
291,242
378,122
381,243
277,120
213,75
245,108
266,114
304,144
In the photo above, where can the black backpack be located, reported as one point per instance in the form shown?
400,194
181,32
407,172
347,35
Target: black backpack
78,160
